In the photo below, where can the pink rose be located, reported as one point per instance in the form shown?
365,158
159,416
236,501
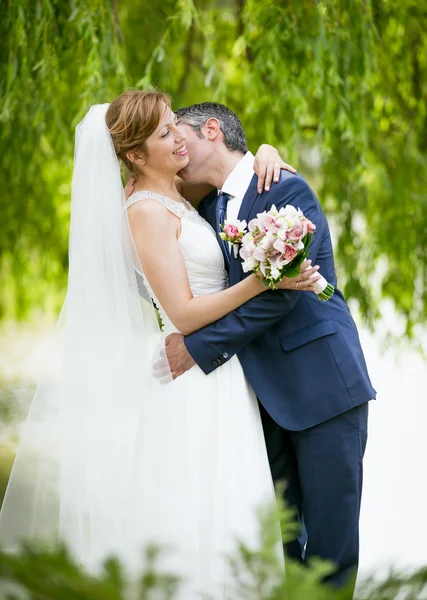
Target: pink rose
289,253
310,226
231,230
294,234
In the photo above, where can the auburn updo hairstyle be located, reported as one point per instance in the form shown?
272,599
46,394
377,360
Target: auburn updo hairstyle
131,119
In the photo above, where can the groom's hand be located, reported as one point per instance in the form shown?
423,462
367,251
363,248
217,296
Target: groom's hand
179,359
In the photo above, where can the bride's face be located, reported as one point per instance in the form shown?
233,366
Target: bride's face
165,148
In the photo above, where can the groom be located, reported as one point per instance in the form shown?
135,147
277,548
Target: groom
302,356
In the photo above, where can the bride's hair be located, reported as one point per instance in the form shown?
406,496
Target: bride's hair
131,119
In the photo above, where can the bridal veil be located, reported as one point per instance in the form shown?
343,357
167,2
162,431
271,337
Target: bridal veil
72,471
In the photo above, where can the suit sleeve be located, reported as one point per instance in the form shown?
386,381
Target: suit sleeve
216,343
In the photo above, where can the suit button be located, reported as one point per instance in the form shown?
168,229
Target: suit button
215,363
225,355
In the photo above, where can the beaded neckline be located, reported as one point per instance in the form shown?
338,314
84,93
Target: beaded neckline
183,210
141,194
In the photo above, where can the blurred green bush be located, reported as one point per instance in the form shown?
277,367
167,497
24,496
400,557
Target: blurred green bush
40,574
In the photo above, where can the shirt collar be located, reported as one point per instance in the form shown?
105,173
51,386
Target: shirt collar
240,177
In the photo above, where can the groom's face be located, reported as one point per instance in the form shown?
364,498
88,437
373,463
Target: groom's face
199,150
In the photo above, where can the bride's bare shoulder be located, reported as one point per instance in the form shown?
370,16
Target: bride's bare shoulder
150,213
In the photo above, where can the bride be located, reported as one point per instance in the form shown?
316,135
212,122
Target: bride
111,458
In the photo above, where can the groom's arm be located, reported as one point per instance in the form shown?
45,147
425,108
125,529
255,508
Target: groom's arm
214,344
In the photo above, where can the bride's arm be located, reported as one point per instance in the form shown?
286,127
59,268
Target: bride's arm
267,165
155,231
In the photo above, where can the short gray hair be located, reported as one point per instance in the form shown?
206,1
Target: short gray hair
196,115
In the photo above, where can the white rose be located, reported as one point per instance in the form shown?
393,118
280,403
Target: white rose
249,264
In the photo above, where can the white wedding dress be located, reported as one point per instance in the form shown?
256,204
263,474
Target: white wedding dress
202,457
110,460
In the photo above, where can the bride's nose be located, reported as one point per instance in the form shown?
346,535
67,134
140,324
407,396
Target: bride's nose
180,136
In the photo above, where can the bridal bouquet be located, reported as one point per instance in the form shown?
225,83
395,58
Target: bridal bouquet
275,246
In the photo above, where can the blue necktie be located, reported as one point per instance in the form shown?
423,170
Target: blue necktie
221,209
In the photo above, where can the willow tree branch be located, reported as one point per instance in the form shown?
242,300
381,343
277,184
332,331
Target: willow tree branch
241,28
116,22
188,59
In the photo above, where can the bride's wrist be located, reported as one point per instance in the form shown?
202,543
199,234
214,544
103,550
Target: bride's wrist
257,284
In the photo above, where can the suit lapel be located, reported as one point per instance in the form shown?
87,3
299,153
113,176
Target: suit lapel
249,199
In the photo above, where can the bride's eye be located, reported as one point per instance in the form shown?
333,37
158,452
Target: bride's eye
165,134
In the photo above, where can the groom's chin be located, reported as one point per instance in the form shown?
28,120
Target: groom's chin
184,174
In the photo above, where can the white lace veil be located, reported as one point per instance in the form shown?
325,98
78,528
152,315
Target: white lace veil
72,469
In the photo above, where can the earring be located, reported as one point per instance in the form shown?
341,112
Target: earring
142,162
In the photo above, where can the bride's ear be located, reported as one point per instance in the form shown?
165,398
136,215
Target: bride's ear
136,159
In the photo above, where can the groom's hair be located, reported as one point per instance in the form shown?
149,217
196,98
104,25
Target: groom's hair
196,115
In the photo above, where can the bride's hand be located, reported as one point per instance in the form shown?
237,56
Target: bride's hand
267,165
302,282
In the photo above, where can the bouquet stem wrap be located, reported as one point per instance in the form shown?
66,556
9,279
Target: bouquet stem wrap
324,290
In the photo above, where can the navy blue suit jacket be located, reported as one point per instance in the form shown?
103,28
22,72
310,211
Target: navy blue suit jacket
302,356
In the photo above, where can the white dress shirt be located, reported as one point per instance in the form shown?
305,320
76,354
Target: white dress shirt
237,184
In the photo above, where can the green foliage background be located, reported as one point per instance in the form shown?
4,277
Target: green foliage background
340,86
38,573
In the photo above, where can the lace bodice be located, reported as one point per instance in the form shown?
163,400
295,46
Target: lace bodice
201,252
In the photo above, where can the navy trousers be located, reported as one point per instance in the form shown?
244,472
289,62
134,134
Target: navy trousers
322,470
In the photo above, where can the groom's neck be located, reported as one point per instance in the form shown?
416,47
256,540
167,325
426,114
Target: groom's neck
223,165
